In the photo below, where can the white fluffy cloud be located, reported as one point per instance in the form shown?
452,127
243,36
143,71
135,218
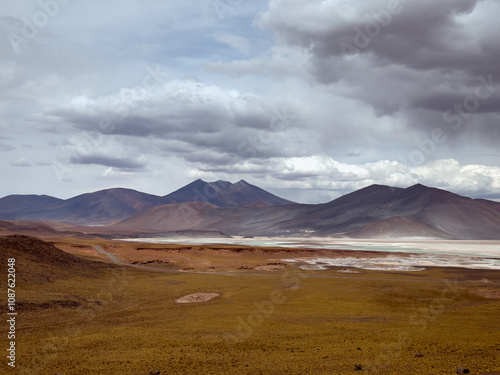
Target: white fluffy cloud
322,173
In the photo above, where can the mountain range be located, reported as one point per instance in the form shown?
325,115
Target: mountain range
111,205
376,211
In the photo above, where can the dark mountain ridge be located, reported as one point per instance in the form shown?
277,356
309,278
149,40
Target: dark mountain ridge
111,205
417,211
98,208
224,194
245,209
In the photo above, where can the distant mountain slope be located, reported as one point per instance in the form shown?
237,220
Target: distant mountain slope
244,209
398,227
167,218
454,215
101,207
373,211
111,205
107,205
224,194
15,206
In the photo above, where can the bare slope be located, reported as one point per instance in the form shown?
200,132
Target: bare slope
14,207
166,218
398,227
112,205
101,207
39,262
224,194
244,209
415,211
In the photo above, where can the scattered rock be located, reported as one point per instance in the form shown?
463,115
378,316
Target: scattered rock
244,268
419,355
484,281
359,348
154,372
358,367
462,370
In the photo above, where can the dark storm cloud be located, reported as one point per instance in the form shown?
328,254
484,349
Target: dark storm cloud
421,35
126,164
468,101
426,60
192,120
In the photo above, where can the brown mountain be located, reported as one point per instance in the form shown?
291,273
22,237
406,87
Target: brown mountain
224,194
111,205
417,211
244,209
15,207
98,208
398,227
167,218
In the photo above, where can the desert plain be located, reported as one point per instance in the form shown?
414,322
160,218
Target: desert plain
215,308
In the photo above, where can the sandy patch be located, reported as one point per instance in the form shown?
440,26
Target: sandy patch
197,297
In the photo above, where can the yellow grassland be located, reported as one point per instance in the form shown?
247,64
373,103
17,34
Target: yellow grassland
289,321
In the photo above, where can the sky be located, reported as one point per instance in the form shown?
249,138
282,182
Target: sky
309,99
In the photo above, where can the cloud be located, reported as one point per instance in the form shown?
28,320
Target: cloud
280,62
22,162
322,95
87,148
106,161
476,180
196,121
413,61
420,35
322,173
239,43
114,175
353,154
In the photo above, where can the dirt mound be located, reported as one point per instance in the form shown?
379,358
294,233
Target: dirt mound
39,262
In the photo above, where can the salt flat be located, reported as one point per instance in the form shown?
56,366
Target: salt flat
420,252
412,262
